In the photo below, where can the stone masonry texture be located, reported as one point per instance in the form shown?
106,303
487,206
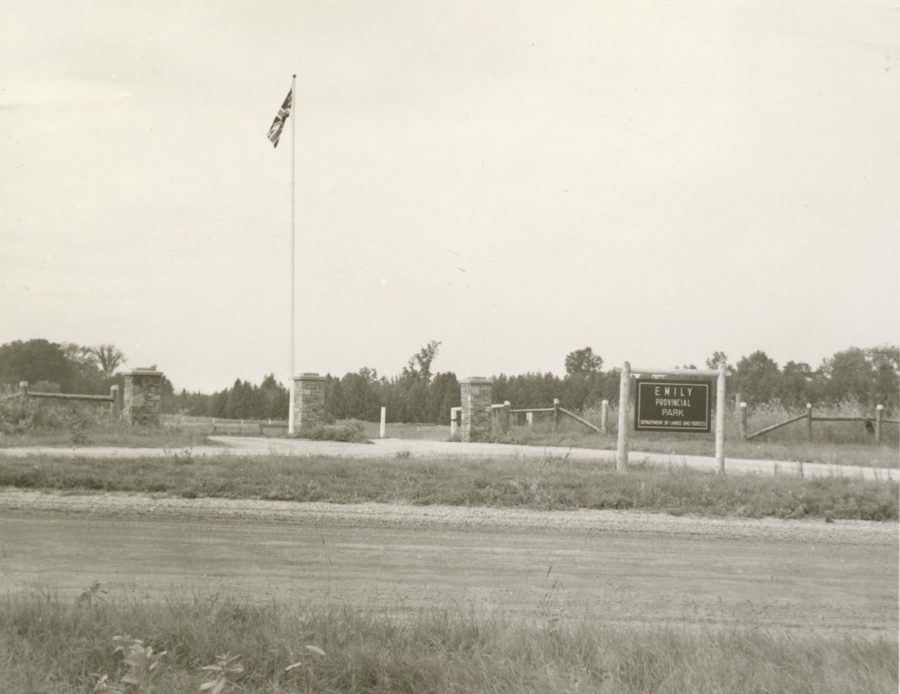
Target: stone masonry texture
476,409
309,402
142,401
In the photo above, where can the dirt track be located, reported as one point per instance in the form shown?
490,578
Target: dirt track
612,566
391,448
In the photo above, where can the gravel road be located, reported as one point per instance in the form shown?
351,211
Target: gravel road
616,567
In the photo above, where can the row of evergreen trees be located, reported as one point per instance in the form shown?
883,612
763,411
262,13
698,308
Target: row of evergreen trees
863,376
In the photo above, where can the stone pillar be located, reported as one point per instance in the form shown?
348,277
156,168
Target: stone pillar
309,402
142,401
476,409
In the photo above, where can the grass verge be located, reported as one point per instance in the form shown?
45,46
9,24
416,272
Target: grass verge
504,483
117,434
829,453
59,647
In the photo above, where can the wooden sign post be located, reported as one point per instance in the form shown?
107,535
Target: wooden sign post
671,400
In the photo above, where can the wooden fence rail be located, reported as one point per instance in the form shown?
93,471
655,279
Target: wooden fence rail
556,410
113,396
580,419
747,437
873,423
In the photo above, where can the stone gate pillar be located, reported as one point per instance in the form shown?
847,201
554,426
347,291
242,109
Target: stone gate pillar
309,402
476,408
142,399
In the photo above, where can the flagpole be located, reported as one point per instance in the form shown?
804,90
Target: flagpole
293,158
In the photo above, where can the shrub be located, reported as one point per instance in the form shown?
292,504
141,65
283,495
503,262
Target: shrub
23,415
351,432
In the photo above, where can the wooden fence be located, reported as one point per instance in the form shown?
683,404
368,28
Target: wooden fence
112,398
873,424
558,413
218,425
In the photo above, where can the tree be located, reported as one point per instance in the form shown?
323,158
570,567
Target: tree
886,375
583,362
419,365
109,358
86,377
36,360
797,384
850,376
443,394
758,378
411,404
716,359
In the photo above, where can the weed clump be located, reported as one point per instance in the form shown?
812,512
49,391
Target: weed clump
350,432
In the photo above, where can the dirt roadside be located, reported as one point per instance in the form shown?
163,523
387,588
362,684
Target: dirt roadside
451,517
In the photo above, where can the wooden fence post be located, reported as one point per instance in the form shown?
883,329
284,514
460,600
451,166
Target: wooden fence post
382,423
879,416
720,418
114,394
555,414
604,416
23,387
622,449
529,420
743,421
809,421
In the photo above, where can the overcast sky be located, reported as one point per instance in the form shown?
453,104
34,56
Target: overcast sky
657,180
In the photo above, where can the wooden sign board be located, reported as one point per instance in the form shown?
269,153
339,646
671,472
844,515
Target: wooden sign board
672,405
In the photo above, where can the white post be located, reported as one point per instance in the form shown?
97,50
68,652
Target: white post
529,419
604,416
720,418
293,158
879,416
624,386
383,420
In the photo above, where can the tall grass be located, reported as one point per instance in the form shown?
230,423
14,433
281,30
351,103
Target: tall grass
549,484
52,646
833,443
27,422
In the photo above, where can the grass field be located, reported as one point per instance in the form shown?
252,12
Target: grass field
844,443
548,484
50,646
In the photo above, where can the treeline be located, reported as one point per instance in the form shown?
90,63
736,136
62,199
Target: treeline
67,367
863,377
243,400
866,377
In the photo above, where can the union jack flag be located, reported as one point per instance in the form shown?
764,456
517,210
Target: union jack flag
278,124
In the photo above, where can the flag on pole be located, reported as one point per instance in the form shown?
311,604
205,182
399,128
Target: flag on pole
278,124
